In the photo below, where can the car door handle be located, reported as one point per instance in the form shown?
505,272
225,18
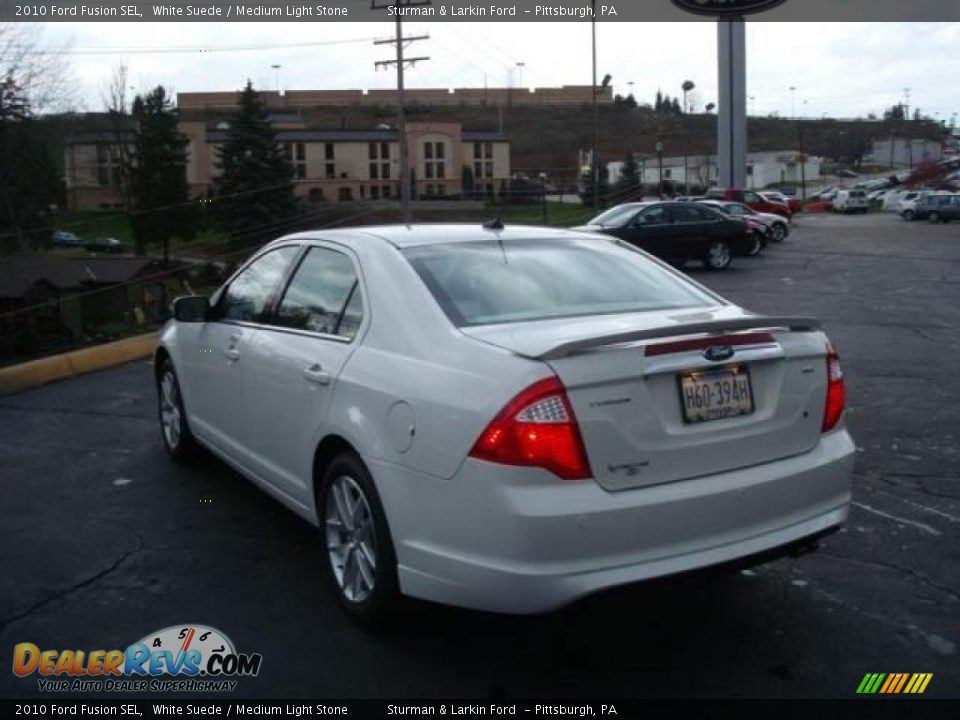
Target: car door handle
317,375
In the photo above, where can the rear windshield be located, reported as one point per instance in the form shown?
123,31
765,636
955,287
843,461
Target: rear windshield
487,282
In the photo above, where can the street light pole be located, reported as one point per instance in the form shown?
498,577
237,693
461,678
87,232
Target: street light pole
543,195
659,148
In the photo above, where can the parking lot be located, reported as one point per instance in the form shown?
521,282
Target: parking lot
105,540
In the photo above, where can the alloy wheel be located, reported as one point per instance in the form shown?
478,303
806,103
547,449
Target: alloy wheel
718,255
351,542
170,410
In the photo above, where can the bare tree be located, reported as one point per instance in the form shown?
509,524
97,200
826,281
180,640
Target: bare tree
118,108
40,74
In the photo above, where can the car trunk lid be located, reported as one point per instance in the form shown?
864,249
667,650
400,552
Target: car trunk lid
633,382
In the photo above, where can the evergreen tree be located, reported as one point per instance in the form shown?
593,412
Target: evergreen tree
467,181
254,192
29,180
658,103
158,174
628,186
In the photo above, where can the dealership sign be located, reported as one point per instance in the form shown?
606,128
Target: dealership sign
722,8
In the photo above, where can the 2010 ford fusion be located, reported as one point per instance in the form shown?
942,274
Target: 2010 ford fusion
507,418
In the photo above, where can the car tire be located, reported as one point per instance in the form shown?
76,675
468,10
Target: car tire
718,256
934,217
174,428
756,244
360,562
908,214
779,232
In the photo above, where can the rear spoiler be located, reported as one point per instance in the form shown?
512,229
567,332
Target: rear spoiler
760,322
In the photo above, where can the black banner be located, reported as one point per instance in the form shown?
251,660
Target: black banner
875,708
482,11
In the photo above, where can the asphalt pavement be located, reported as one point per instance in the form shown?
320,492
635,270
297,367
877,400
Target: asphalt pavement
105,540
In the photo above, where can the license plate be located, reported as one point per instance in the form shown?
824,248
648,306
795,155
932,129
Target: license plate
716,394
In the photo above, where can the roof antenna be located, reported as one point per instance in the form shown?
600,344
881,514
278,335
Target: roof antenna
495,224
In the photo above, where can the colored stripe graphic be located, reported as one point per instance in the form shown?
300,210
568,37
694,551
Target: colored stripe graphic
894,683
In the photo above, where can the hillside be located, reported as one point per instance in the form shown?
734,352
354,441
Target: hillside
546,139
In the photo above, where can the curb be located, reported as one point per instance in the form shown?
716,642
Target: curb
78,362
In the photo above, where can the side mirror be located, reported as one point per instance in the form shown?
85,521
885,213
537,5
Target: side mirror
191,308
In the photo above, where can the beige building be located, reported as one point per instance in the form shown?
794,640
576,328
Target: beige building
329,165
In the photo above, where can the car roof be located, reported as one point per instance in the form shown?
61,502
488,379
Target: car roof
415,235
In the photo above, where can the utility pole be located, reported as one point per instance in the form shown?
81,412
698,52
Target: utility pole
399,40
595,155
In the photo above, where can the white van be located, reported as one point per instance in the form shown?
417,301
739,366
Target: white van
847,201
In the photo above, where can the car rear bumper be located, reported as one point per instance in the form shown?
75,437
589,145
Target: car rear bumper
519,540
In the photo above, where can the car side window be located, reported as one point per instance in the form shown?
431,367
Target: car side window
323,296
249,295
736,210
651,216
750,197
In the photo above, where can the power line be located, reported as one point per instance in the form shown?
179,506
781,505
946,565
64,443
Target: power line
401,42
140,50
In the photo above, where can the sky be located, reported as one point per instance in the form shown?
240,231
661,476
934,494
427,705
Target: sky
838,69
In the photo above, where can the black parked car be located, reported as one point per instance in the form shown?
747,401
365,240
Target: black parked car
676,231
937,208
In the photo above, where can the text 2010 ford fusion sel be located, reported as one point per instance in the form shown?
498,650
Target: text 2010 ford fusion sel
507,419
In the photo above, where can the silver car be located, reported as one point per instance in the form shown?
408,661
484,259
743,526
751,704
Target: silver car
506,419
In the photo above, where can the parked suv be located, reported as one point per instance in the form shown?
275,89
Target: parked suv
908,206
937,208
848,201
751,199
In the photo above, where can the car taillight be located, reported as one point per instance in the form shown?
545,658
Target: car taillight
835,391
537,428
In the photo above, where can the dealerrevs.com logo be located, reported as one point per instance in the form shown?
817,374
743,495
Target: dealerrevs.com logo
180,658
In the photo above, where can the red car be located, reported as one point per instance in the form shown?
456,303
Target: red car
751,199
792,202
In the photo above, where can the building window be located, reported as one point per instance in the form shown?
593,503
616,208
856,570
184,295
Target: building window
666,173
441,189
374,192
488,169
331,171
345,194
433,154
372,151
386,192
482,151
374,169
429,189
385,150
297,153
315,194
385,171
328,151
108,165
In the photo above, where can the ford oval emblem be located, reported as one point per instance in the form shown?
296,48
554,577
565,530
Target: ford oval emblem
717,353
721,8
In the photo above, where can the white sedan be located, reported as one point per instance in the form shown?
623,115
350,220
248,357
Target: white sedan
507,419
